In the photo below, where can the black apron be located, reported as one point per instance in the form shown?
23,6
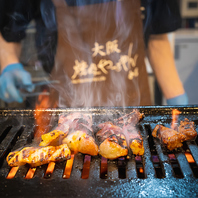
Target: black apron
100,55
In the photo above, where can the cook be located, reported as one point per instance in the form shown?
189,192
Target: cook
100,52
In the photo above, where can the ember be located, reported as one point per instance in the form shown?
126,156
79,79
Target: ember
175,115
30,173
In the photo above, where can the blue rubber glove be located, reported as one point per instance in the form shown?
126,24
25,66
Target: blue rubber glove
179,100
11,78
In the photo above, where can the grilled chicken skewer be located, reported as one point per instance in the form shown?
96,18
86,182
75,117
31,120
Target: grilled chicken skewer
81,141
75,130
135,141
65,123
81,137
114,138
112,142
36,156
171,138
132,118
53,138
187,128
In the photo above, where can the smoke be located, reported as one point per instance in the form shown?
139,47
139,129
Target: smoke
97,53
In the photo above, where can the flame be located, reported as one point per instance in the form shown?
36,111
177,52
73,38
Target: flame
30,173
175,115
50,169
190,158
42,117
68,167
12,172
141,170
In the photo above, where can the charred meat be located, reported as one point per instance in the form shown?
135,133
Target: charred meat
74,119
66,124
171,138
187,128
132,118
52,138
80,137
112,142
135,141
113,147
80,141
107,129
36,156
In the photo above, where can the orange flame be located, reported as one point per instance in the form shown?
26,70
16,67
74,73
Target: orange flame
175,115
42,117
68,167
190,158
50,169
30,173
12,172
141,170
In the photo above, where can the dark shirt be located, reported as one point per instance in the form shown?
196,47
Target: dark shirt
160,16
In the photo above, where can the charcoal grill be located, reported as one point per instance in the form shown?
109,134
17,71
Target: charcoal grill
159,173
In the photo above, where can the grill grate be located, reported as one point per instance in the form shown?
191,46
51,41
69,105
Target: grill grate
158,173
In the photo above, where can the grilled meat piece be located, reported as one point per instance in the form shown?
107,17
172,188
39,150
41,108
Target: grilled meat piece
113,142
66,123
107,129
36,156
80,141
132,118
171,138
187,128
113,147
53,138
64,127
80,137
74,119
135,141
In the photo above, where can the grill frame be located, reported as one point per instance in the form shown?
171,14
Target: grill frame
22,125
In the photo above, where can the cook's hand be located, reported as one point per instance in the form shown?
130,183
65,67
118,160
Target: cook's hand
179,100
13,76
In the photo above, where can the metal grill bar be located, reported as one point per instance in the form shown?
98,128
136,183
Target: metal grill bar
112,171
194,150
149,168
77,166
165,160
185,167
131,171
94,167
8,140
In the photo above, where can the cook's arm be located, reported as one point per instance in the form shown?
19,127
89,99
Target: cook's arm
12,72
162,62
9,52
